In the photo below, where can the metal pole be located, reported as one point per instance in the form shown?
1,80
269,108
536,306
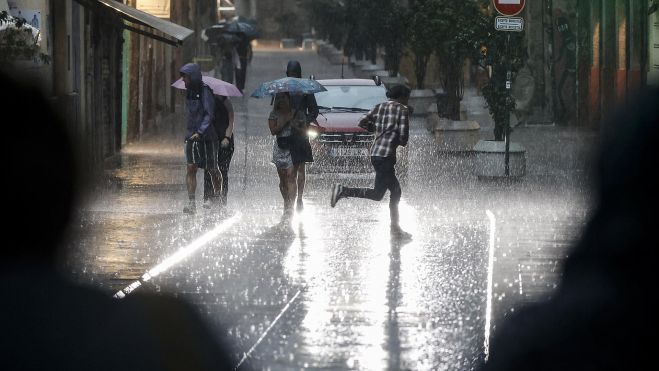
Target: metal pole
342,67
508,87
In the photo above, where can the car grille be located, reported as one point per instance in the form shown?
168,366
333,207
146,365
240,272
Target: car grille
346,138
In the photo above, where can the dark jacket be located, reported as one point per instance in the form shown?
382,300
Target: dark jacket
200,105
305,103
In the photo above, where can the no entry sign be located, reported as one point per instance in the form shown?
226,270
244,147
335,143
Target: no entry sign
509,8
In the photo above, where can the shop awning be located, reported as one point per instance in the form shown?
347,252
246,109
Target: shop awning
173,33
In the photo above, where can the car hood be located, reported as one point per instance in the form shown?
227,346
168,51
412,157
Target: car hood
340,121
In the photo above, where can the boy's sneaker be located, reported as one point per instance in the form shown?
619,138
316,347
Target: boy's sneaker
337,189
207,204
300,205
190,209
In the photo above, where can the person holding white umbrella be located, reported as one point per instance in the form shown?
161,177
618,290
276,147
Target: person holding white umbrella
223,124
201,140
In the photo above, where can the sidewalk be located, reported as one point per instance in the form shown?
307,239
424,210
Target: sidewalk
551,150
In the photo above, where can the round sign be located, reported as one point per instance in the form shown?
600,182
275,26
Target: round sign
509,8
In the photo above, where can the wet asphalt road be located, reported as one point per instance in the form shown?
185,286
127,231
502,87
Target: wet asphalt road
331,289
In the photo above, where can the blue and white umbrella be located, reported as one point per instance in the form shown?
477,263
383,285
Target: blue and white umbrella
289,85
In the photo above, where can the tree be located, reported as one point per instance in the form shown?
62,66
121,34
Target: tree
393,18
18,41
328,18
361,29
457,27
422,23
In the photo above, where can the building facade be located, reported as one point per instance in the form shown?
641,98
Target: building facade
112,64
588,57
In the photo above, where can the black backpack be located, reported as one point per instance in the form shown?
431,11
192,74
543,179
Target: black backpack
221,122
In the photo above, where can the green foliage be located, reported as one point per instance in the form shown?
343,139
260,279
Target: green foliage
394,19
361,29
423,27
286,21
457,27
452,30
329,19
505,52
17,42
360,26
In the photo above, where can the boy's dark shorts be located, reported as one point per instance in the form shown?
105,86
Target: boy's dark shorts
202,153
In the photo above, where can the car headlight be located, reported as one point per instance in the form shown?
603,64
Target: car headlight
312,133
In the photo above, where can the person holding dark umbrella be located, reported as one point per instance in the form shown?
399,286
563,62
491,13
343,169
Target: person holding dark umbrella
244,49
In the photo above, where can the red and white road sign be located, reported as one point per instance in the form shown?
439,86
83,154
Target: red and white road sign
509,8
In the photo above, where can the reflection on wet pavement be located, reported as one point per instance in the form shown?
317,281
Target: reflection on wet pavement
331,289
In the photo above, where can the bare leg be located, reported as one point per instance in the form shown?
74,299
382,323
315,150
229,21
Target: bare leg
216,181
287,187
282,184
292,186
191,180
191,183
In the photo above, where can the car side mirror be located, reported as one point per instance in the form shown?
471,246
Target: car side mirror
378,80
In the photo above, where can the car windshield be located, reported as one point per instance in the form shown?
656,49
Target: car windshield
353,98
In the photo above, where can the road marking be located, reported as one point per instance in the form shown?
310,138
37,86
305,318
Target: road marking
179,256
490,268
265,333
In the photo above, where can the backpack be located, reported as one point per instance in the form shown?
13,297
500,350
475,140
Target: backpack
221,121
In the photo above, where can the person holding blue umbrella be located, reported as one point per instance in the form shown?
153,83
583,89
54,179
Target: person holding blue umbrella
283,122
301,150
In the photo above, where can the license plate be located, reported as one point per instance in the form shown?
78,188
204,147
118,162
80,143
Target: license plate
349,151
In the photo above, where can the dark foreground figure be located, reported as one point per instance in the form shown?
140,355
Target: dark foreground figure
601,317
50,323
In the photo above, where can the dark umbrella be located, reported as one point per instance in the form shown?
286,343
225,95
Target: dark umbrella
249,30
242,19
234,27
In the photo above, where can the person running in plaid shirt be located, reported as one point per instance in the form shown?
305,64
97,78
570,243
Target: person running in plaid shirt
390,123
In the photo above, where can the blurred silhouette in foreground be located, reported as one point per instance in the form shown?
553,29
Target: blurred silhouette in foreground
601,318
48,322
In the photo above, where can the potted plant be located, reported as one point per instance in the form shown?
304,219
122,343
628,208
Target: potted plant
506,56
19,41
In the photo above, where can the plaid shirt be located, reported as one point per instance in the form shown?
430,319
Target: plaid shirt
391,124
